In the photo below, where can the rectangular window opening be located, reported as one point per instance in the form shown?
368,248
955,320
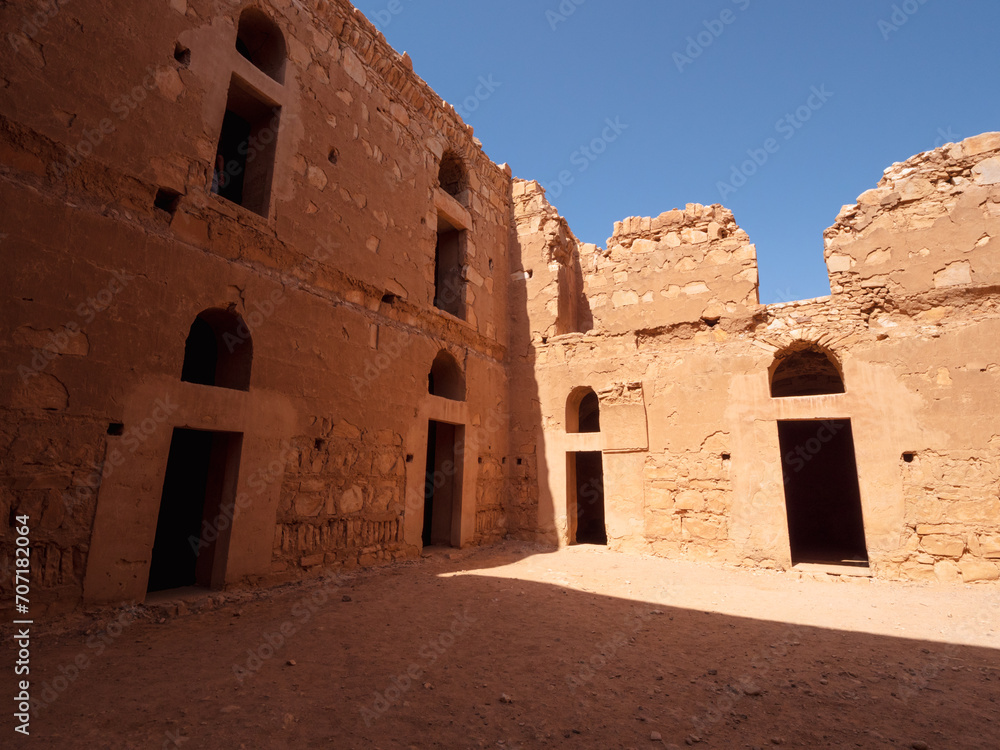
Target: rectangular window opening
244,160
449,272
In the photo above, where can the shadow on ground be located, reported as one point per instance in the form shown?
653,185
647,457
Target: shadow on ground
438,655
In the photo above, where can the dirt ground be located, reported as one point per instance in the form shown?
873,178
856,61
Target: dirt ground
522,647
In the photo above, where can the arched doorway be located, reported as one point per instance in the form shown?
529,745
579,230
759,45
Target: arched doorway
444,469
199,486
585,472
819,467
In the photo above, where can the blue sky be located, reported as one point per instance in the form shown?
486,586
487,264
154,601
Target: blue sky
824,95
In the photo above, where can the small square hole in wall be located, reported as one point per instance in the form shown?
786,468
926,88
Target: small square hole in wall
908,457
116,429
182,54
319,444
409,458
167,200
480,459
389,298
518,462
726,456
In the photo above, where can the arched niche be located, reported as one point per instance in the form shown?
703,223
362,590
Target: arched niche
218,351
446,378
805,369
261,42
453,176
583,411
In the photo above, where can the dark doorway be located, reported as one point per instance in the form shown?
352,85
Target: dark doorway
231,160
585,472
822,496
442,488
196,509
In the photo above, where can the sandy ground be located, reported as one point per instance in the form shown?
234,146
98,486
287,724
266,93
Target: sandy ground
520,647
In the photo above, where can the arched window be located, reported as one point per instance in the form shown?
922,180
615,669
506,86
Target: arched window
452,176
583,411
261,42
805,369
218,351
446,378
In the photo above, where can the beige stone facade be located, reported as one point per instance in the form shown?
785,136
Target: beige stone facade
693,463
263,288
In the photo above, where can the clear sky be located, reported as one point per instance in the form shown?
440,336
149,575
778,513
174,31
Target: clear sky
825,95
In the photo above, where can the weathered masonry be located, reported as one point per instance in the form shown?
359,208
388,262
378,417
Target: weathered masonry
269,309
858,430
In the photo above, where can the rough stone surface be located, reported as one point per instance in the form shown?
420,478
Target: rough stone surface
115,243
913,323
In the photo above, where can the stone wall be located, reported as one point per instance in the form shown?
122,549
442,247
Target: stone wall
920,361
929,225
682,266
116,243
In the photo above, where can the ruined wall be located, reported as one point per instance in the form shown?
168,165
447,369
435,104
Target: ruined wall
918,258
929,225
115,242
915,340
681,266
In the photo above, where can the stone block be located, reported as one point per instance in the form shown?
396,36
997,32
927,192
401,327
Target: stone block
311,561
987,172
696,528
941,545
689,500
948,571
914,571
979,570
352,500
989,546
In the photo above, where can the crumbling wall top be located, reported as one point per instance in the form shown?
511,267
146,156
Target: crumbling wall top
693,224
679,267
929,224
